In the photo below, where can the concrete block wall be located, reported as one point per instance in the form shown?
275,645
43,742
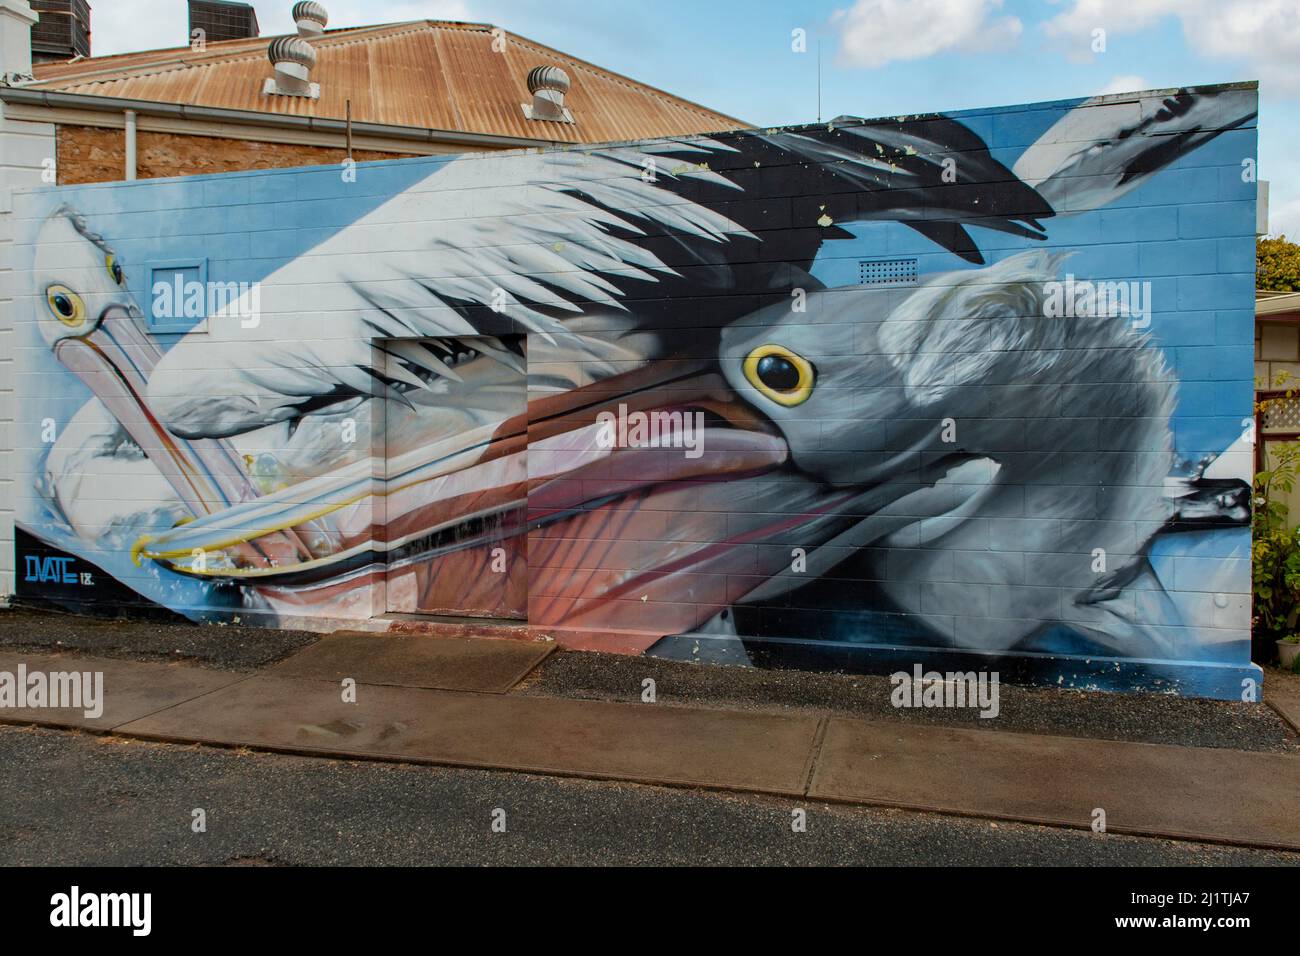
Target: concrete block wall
907,452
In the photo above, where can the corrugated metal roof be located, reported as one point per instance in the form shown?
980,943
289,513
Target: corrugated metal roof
426,74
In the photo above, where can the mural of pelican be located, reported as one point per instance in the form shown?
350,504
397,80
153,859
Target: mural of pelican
565,247
658,276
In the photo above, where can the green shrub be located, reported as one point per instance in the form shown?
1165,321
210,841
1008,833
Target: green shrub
1277,265
1275,548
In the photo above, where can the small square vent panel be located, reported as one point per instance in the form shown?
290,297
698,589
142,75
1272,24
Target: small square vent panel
887,272
1282,414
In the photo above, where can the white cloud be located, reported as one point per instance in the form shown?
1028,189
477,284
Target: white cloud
1263,34
1128,83
1113,16
130,25
1284,218
125,26
874,32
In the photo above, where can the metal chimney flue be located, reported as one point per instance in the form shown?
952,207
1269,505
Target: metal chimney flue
293,58
311,18
548,84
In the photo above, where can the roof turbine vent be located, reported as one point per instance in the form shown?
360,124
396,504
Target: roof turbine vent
548,84
293,58
311,18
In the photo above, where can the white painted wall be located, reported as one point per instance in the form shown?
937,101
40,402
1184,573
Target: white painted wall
16,19
26,151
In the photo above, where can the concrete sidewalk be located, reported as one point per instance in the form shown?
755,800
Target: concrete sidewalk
1282,693
447,702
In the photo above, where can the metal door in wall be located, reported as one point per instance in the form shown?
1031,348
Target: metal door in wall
455,447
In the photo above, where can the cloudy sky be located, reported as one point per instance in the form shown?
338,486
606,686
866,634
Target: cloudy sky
877,57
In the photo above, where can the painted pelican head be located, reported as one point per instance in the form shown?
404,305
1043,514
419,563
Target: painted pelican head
79,280
94,328
987,436
932,443
867,375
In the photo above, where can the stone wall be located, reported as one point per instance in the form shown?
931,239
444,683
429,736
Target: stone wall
88,154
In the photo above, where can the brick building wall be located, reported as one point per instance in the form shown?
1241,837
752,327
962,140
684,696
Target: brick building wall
90,154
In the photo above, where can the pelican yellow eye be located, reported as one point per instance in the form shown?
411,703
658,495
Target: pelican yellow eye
781,375
114,269
67,306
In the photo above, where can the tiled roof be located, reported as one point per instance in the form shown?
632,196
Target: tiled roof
426,74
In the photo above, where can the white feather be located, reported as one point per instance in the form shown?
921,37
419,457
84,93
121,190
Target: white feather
530,235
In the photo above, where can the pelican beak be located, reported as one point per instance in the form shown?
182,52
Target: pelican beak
701,431
607,542
115,360
621,532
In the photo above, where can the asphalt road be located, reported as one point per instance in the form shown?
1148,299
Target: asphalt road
75,799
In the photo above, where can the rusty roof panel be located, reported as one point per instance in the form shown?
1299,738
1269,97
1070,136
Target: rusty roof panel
426,74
